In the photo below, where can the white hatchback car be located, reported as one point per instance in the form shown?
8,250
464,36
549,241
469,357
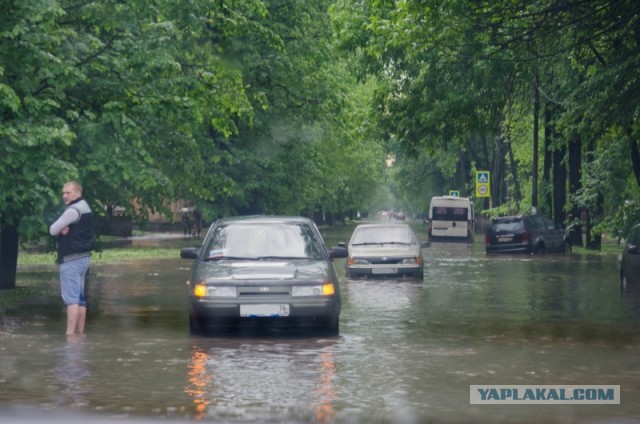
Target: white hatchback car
384,250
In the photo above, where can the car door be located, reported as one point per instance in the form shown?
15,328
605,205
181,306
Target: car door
537,229
553,234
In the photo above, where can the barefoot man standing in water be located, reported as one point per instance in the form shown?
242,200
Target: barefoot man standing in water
74,229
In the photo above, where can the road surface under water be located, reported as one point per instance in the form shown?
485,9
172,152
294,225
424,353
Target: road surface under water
408,352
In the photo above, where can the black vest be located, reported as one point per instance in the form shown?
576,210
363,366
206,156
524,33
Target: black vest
80,240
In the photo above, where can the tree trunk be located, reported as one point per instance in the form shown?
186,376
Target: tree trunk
534,164
635,156
517,195
464,169
548,160
594,241
8,255
559,185
497,174
575,174
513,166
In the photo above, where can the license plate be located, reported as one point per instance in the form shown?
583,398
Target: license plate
384,270
505,238
250,311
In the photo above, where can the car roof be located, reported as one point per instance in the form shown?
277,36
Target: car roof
397,224
264,219
454,198
517,217
508,218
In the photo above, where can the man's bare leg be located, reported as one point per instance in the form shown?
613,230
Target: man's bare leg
82,315
72,318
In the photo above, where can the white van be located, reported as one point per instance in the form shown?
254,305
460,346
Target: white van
451,218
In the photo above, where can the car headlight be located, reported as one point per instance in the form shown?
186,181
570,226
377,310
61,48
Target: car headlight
202,290
358,261
319,290
411,261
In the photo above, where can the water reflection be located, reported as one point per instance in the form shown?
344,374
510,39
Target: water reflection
407,352
248,378
325,389
200,386
71,371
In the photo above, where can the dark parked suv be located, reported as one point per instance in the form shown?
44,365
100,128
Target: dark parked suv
533,233
630,259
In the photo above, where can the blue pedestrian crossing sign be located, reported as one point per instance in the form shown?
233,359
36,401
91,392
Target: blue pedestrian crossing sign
483,184
454,193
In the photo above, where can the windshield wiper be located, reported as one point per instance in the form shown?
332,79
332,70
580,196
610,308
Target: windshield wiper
282,257
369,243
230,258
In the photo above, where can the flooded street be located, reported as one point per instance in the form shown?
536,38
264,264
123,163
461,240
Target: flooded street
407,351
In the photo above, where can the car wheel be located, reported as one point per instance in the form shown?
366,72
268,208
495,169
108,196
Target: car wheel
567,247
539,249
194,328
332,328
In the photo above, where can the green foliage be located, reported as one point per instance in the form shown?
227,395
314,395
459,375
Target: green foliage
117,95
231,106
456,75
270,107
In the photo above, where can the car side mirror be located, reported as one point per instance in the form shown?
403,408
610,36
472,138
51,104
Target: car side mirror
633,248
425,243
338,252
189,253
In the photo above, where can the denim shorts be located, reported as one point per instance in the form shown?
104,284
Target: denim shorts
72,275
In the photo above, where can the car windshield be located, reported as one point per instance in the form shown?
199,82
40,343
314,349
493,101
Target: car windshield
383,235
264,241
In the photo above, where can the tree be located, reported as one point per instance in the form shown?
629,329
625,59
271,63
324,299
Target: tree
121,96
450,70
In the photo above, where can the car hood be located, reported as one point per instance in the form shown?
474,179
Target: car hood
384,250
263,270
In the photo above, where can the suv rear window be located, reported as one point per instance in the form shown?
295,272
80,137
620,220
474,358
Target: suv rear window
507,226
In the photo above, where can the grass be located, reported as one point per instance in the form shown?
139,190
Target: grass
28,287
610,246
114,255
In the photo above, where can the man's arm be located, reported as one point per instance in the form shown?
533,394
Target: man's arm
69,216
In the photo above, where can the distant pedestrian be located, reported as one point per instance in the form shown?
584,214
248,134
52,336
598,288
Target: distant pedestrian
186,221
76,239
197,221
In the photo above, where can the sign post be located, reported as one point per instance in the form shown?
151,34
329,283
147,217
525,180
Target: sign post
483,184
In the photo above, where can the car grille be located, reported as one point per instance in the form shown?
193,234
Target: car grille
384,261
263,291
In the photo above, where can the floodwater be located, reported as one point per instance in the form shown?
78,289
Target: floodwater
407,352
